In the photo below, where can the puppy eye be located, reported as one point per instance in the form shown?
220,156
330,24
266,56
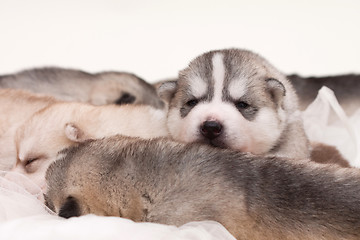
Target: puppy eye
192,102
30,161
30,165
241,105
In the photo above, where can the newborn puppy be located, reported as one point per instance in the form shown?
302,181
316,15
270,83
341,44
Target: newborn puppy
75,85
254,197
64,124
234,98
33,128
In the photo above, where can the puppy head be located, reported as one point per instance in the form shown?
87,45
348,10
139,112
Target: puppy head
38,142
229,98
93,177
123,88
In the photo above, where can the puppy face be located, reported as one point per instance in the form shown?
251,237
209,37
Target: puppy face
228,98
62,125
38,142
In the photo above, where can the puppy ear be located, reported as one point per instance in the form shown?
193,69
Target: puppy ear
276,89
166,90
74,133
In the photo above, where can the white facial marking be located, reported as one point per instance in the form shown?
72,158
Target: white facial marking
198,87
257,136
264,131
237,88
218,75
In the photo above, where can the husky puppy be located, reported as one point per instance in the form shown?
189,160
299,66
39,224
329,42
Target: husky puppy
74,85
254,197
15,107
64,124
235,99
33,128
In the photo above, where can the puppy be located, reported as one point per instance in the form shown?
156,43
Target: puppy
35,127
254,197
74,85
235,99
61,125
16,107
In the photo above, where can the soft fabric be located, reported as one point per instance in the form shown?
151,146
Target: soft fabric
326,122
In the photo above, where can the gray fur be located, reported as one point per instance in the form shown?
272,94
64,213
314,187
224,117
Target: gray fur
75,85
166,182
346,88
256,74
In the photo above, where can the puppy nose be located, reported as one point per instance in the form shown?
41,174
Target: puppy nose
211,129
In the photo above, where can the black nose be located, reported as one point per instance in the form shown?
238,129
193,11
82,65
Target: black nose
211,129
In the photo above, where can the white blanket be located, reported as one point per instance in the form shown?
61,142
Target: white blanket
97,227
23,216
343,132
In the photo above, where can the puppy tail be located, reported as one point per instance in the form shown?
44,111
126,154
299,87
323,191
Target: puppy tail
70,208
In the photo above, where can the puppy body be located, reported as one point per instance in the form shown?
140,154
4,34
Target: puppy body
254,197
61,125
74,85
235,99
35,127
16,107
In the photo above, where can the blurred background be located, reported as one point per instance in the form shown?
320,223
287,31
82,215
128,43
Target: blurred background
156,38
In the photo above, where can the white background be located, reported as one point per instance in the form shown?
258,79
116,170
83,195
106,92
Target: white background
155,39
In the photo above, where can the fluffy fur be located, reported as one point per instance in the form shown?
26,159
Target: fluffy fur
16,107
37,141
322,153
235,99
254,197
75,85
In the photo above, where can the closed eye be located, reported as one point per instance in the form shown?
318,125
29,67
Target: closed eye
30,161
32,164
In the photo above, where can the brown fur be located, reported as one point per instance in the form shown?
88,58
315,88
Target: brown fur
171,183
42,126
322,153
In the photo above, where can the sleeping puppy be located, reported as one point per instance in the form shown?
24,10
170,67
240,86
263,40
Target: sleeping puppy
235,99
62,125
254,197
36,142
74,85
